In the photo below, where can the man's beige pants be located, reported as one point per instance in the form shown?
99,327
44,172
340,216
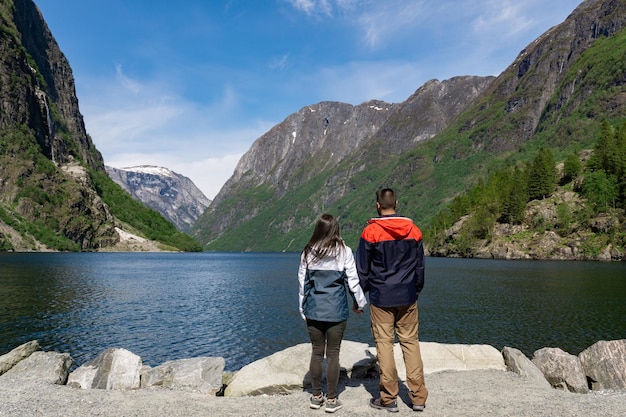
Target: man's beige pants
401,321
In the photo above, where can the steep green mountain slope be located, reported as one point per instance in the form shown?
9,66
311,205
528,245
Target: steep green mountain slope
54,192
554,95
592,91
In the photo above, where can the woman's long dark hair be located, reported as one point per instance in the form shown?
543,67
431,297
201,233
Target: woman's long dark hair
326,238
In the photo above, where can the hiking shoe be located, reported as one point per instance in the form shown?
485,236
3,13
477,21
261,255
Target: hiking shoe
392,407
418,407
332,405
316,402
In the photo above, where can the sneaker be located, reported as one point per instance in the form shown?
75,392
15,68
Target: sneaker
418,407
316,402
332,405
392,407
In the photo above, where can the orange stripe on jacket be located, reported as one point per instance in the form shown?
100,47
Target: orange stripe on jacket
382,229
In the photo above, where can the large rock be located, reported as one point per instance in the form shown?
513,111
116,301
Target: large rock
604,364
517,362
201,374
278,373
451,357
456,357
48,367
113,369
561,369
8,360
287,370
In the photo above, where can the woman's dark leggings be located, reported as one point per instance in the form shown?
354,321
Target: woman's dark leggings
325,337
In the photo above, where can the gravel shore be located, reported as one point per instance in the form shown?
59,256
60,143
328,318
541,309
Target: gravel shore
452,393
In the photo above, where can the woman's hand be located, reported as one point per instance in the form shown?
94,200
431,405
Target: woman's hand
356,309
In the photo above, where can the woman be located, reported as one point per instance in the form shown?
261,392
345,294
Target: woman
326,266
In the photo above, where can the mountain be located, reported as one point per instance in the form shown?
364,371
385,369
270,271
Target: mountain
173,195
54,191
555,94
299,167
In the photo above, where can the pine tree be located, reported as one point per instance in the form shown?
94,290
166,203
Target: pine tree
608,164
601,190
571,168
620,159
516,199
542,175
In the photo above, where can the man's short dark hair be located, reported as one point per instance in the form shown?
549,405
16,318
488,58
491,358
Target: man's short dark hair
386,197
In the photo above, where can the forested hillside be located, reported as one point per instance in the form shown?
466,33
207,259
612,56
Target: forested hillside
570,210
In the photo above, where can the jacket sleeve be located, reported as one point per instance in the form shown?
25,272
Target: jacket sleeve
353,278
419,269
301,275
363,263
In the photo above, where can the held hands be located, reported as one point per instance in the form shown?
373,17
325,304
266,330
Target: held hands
356,309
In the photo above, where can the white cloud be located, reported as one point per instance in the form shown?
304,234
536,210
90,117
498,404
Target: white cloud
356,82
128,127
382,21
129,84
312,7
280,63
210,174
506,18
228,100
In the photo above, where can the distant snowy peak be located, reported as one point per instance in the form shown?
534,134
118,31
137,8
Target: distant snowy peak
173,195
150,169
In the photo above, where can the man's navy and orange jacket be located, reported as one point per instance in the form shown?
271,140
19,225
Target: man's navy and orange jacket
390,261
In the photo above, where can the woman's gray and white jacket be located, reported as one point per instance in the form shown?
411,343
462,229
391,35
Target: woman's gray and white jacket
322,286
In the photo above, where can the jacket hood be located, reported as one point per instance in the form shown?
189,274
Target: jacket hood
396,226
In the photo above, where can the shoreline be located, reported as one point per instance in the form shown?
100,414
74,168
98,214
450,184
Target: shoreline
452,393
461,383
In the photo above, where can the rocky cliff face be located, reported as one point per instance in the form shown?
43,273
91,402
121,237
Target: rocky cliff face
305,144
430,110
44,98
45,150
173,195
318,140
536,85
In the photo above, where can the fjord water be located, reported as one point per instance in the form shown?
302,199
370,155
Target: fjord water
243,306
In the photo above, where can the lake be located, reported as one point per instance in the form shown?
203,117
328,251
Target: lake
244,306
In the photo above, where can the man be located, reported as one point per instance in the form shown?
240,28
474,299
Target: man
390,264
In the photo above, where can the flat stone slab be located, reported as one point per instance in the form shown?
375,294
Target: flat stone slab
439,357
287,370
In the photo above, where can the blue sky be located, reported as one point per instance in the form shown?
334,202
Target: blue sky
190,85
